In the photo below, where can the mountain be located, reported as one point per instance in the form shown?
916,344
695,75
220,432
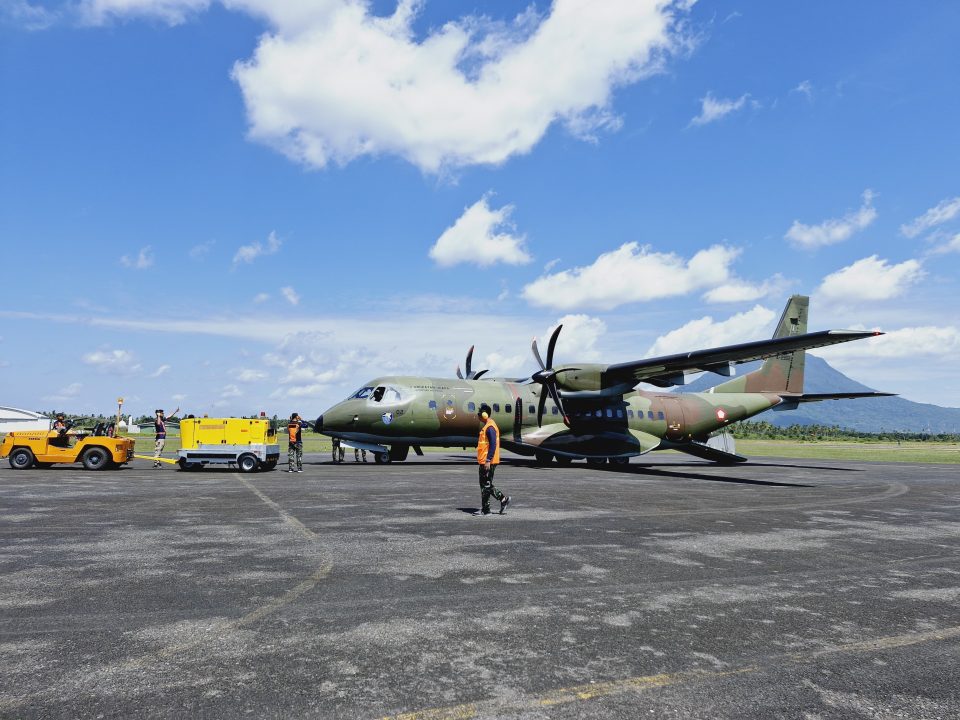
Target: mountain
868,415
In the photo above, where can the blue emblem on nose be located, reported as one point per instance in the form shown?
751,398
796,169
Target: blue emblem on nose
387,418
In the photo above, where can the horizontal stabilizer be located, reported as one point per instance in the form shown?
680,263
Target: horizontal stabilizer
792,402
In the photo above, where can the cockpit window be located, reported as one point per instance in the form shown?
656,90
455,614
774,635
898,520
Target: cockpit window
361,394
386,393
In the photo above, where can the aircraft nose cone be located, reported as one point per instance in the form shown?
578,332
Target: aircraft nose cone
318,425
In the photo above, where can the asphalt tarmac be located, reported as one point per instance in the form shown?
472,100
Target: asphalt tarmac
776,589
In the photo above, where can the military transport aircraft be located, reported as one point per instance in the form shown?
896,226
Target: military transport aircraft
588,410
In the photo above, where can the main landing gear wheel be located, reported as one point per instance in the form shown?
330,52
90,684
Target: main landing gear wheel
398,453
563,460
21,459
381,458
620,461
596,462
543,457
247,463
96,459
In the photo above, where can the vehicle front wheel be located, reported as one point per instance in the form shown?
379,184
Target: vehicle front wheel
382,458
21,459
247,463
95,458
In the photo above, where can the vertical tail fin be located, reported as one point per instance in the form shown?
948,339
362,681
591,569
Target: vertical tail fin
781,373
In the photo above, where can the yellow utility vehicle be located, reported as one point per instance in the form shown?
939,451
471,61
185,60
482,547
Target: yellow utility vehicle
42,448
249,443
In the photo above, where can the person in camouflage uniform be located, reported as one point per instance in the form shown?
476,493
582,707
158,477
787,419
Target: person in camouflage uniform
295,448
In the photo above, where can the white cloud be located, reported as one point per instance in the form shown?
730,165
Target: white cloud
26,15
122,362
478,236
142,261
950,246
743,291
162,370
261,298
834,230
248,375
198,252
943,212
249,253
908,342
69,392
230,391
871,278
501,365
291,295
333,82
707,333
805,88
577,340
179,397
713,109
631,273
174,12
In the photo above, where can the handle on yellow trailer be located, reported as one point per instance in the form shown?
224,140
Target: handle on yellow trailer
156,459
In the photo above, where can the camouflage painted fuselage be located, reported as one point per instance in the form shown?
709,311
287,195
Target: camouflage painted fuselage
422,411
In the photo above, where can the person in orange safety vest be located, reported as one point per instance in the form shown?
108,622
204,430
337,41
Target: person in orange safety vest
295,448
488,456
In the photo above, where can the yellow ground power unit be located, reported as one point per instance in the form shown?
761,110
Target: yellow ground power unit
250,444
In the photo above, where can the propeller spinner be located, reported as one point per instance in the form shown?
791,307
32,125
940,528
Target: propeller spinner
471,375
547,377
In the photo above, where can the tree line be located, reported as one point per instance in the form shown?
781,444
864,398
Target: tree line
763,430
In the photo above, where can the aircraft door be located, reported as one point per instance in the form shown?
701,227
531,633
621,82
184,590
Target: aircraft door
673,408
518,420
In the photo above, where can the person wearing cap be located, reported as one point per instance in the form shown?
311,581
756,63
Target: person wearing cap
295,448
488,457
60,425
160,426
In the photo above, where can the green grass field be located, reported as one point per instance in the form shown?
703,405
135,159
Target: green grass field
914,452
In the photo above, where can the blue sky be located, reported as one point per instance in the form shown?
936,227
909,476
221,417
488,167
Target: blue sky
247,205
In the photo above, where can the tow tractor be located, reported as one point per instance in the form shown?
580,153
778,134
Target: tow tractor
42,448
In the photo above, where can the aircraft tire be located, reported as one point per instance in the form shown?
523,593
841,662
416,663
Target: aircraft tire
563,460
596,462
21,459
398,453
381,458
543,457
247,463
95,458
620,461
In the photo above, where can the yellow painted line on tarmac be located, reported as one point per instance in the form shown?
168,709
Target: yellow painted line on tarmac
594,691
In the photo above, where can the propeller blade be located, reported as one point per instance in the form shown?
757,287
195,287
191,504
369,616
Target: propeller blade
459,374
540,406
536,354
552,344
555,396
469,359
476,375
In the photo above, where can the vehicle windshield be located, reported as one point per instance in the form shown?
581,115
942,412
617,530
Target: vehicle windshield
362,393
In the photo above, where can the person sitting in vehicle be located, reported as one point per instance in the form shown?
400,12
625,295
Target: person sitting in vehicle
61,426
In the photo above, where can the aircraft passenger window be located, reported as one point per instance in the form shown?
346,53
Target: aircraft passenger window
362,393
660,415
508,407
432,404
496,407
378,393
472,407
650,414
553,410
599,413
619,413
630,413
609,412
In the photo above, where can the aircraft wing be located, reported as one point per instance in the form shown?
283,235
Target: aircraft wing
669,369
